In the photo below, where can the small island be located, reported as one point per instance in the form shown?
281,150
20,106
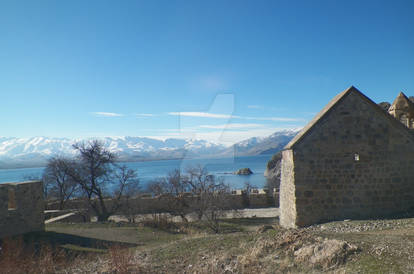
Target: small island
244,171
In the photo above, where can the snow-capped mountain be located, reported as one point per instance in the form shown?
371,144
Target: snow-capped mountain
27,152
264,145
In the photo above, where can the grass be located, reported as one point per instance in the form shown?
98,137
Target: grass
193,248
98,235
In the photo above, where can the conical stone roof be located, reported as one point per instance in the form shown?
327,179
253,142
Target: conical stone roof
403,105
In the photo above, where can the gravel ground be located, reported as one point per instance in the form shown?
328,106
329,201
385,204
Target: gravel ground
351,226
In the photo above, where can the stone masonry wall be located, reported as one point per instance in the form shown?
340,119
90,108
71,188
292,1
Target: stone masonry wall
287,191
354,163
21,208
144,205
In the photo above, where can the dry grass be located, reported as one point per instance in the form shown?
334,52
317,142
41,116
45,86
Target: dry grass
121,260
244,246
18,257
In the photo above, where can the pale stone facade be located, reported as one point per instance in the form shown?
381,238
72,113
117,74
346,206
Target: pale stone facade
21,208
352,161
403,110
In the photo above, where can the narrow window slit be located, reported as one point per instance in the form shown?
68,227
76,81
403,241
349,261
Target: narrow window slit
12,199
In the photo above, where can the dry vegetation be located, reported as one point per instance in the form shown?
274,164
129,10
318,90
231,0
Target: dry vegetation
248,245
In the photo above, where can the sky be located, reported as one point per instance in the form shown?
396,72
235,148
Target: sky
217,70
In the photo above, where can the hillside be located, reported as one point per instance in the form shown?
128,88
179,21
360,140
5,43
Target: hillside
244,245
264,145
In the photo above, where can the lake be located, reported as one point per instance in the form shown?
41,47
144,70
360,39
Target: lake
148,171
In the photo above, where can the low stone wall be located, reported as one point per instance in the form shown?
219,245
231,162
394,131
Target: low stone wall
21,208
148,204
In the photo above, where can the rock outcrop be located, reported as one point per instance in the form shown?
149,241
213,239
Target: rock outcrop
243,171
326,253
273,171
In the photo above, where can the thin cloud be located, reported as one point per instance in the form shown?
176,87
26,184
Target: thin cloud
144,115
106,114
202,114
224,137
228,116
232,126
276,119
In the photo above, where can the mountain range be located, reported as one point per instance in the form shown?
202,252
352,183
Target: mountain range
31,152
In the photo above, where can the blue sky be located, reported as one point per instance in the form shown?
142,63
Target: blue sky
221,70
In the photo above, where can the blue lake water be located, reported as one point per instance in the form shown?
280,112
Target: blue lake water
148,171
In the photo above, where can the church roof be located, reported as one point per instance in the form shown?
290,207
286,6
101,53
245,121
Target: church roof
337,100
402,103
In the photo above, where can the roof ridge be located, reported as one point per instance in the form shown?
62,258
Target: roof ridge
338,98
400,100
321,113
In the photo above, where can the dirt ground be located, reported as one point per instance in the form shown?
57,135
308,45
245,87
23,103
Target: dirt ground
248,244
271,212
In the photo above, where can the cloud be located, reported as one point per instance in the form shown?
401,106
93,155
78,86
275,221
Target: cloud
144,115
276,119
224,137
228,116
106,114
232,126
229,137
202,114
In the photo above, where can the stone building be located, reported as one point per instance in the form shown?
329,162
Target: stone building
403,110
21,208
352,161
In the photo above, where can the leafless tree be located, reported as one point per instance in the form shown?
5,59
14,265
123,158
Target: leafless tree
126,190
171,190
102,181
208,196
211,196
57,182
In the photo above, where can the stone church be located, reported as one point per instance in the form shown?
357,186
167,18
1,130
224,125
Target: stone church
352,161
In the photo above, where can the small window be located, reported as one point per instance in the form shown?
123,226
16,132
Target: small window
12,199
404,119
356,157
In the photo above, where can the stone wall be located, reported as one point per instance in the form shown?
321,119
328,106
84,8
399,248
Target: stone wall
355,162
21,208
287,199
148,204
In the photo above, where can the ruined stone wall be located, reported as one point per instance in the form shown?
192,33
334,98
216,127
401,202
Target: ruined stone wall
21,208
143,205
287,191
355,163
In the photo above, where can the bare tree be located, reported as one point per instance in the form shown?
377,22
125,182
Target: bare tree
57,182
126,190
208,198
171,190
102,181
211,196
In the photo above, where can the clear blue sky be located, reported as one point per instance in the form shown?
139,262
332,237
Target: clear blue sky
110,68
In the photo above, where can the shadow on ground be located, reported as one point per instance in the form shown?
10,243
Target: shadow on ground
72,242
